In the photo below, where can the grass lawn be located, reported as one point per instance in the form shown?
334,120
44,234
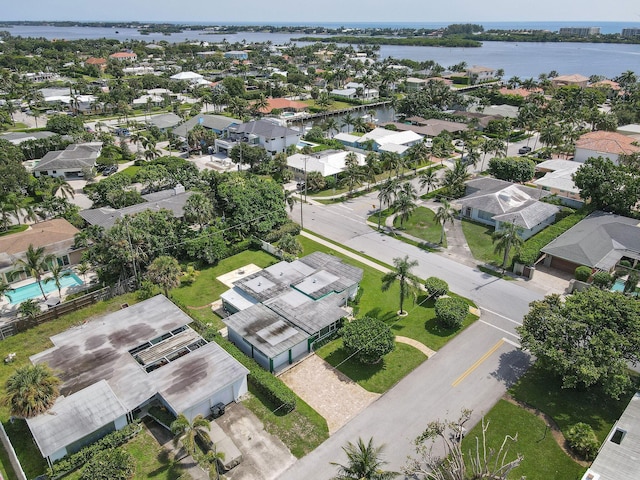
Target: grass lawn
206,288
14,229
376,378
479,239
131,171
152,461
543,459
29,343
568,406
301,430
335,105
420,324
422,224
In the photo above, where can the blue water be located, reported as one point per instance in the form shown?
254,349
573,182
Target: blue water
32,290
618,286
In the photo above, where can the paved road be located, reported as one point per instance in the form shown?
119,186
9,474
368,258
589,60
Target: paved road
472,371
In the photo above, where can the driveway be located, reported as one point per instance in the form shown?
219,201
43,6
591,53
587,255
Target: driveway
329,392
264,456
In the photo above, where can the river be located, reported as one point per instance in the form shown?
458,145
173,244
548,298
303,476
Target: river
523,60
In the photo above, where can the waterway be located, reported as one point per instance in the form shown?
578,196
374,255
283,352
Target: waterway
523,60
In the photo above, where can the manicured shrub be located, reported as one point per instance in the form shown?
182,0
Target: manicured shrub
270,386
369,339
583,273
451,311
436,287
602,280
583,441
109,465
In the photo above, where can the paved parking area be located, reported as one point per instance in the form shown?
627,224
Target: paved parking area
333,395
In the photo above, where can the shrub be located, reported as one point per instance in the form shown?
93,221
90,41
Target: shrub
583,273
290,227
109,465
512,169
436,287
271,387
583,441
368,338
451,311
602,280
109,442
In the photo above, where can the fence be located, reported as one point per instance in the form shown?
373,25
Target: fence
11,453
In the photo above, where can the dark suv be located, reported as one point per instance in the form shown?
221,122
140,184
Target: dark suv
524,150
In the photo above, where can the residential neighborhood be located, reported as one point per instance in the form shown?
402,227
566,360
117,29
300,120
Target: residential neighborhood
252,260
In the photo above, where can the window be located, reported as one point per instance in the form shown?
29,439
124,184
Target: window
617,436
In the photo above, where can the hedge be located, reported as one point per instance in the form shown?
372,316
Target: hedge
109,442
451,311
530,251
436,287
267,384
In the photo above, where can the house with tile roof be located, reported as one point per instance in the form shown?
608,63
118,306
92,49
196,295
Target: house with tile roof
101,63
570,80
599,241
279,312
495,202
124,56
604,144
283,104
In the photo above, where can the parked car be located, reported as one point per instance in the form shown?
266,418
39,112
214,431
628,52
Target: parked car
109,170
122,132
524,150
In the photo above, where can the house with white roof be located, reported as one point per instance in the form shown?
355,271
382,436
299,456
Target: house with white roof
326,162
190,77
384,140
278,313
116,366
557,179
496,203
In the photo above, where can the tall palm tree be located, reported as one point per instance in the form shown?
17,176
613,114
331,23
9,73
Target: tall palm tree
353,173
60,185
186,430
5,289
405,203
331,125
348,121
429,178
35,263
386,195
32,390
198,209
289,199
445,213
165,272
409,283
363,463
455,178
57,274
505,239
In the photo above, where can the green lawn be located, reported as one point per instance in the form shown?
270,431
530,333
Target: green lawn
131,171
335,105
206,288
570,406
423,225
543,459
479,239
301,430
376,378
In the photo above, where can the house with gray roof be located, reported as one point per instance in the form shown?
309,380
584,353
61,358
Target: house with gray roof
219,124
268,133
599,241
496,202
618,455
114,367
70,162
18,137
173,199
164,122
279,312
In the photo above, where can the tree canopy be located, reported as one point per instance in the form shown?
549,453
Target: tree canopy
512,169
369,339
587,339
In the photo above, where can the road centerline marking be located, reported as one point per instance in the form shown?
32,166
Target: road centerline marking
479,362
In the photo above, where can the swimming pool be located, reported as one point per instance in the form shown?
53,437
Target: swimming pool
32,290
618,285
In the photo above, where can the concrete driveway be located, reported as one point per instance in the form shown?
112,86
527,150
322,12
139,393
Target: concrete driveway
329,392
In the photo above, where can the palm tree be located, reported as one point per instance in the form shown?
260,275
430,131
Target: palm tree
402,273
505,239
364,463
429,179
331,125
186,430
445,213
353,174
165,272
32,390
83,268
289,199
348,121
386,195
60,185
35,263
405,202
57,274
199,209
5,289
455,178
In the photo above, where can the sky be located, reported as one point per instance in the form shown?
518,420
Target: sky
310,12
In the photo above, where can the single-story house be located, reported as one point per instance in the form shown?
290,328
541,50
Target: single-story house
70,162
353,92
631,130
190,77
236,55
557,179
173,199
279,312
429,127
504,111
570,80
496,202
18,137
326,162
618,456
100,63
270,135
219,124
481,119
115,366
604,144
384,140
599,241
283,104
519,92
164,122
57,236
